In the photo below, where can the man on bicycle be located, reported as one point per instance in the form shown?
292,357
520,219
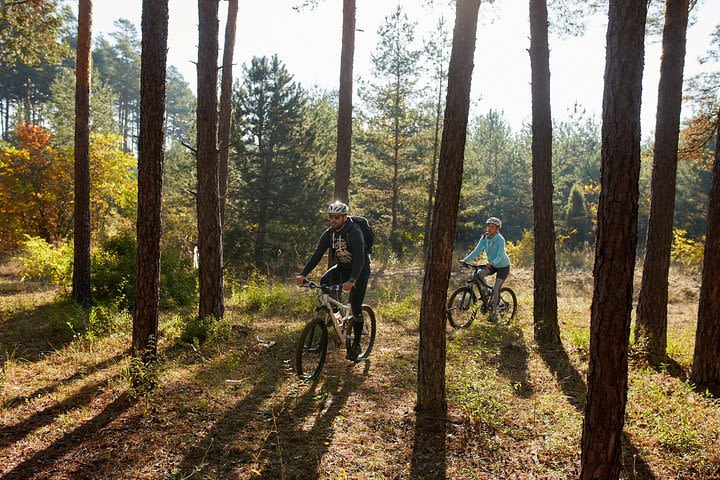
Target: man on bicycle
493,244
345,240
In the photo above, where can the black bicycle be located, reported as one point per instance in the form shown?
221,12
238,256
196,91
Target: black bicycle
313,345
463,307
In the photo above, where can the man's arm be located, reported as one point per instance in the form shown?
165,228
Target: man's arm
323,244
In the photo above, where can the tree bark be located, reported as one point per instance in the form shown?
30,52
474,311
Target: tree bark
616,241
81,234
547,330
344,127
706,361
151,152
651,318
208,195
432,353
226,103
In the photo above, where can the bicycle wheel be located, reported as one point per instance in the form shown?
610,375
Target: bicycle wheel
461,308
507,306
367,338
311,349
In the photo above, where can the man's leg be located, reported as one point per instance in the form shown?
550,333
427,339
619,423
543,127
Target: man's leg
357,296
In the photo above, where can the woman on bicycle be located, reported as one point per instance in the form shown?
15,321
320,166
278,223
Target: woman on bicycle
493,244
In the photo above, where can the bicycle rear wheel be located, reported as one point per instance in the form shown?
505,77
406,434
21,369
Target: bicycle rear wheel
367,339
507,305
311,349
461,308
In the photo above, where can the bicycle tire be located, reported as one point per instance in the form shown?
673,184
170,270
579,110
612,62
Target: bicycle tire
461,307
507,305
311,349
367,338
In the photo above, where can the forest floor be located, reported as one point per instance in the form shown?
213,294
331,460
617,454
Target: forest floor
232,408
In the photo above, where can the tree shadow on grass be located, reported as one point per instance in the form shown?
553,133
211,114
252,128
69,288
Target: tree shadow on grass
303,434
12,434
46,458
286,448
429,443
573,386
30,334
14,401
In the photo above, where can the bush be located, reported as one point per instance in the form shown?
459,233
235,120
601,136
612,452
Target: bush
686,252
259,294
113,274
45,262
198,330
522,252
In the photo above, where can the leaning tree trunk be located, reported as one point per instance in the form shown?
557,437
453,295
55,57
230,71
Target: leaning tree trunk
706,362
151,152
547,330
344,126
651,321
431,355
226,104
208,198
81,234
616,242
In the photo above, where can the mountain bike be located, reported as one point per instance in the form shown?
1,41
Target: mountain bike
312,348
463,306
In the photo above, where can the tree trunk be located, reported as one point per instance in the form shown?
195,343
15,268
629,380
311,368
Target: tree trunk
616,241
344,127
81,248
151,152
706,361
431,355
208,201
226,103
651,321
547,330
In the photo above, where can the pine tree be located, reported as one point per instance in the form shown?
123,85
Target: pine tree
275,188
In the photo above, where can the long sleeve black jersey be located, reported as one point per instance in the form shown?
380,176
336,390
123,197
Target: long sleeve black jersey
348,246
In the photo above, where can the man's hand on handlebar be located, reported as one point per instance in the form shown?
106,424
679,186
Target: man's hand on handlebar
300,280
347,286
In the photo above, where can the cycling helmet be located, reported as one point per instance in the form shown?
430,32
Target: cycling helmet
495,221
338,207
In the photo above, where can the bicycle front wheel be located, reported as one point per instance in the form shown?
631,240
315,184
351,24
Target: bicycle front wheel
311,349
461,308
507,305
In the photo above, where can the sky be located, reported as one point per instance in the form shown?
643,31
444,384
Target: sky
308,42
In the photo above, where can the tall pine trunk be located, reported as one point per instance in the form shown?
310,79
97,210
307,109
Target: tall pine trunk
616,241
344,126
432,353
151,152
81,234
547,330
706,361
226,104
208,197
433,169
651,318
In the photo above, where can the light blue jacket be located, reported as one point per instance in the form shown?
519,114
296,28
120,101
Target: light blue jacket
495,249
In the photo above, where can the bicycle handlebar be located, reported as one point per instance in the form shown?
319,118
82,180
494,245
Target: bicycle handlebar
475,266
324,288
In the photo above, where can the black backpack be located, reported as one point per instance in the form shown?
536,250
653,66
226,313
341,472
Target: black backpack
367,232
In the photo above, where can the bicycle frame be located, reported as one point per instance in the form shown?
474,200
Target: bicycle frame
327,303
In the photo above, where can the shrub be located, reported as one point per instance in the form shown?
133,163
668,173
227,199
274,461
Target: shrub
522,252
198,330
686,251
46,262
260,294
113,274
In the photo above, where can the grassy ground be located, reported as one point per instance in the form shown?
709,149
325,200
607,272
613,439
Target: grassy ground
232,408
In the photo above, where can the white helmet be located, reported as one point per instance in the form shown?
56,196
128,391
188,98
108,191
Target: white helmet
495,221
338,207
